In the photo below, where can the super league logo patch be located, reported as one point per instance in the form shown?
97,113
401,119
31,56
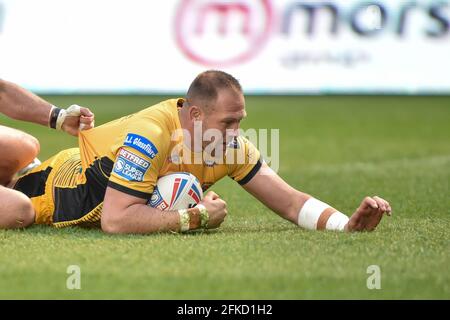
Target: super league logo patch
141,144
130,166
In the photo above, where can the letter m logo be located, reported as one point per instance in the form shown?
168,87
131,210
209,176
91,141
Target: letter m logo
222,33
223,11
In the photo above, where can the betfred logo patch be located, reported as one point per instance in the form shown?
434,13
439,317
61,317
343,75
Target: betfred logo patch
130,156
141,144
130,166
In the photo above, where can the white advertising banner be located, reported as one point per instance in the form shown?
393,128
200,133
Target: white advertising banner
271,46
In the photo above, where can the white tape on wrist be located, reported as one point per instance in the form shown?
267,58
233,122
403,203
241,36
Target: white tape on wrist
204,216
316,214
73,110
185,220
337,221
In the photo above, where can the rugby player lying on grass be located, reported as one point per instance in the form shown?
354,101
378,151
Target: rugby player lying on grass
19,149
109,179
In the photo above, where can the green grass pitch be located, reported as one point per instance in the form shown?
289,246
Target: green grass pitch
338,149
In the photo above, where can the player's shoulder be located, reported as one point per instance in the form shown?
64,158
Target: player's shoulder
149,131
164,111
159,119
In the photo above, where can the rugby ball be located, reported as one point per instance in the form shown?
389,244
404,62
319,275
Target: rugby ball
175,191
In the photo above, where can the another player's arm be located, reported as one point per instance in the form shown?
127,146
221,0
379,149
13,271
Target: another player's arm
21,104
304,210
124,213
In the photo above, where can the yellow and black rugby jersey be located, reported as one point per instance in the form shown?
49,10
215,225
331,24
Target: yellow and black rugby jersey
128,154
133,151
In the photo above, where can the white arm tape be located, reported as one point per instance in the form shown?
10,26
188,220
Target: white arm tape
312,210
337,221
310,213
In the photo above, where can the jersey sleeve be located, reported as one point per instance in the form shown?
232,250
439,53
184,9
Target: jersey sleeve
139,159
243,160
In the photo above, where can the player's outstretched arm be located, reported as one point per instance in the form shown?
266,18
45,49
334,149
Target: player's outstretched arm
123,213
308,212
21,104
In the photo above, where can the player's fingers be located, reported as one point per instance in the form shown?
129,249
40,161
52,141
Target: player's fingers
86,122
86,126
86,119
388,208
370,203
212,195
222,202
386,204
381,203
86,112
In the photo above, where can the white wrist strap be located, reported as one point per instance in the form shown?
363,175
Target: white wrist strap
337,221
185,220
317,215
73,110
204,215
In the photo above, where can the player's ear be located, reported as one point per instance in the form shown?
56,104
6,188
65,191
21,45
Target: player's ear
195,113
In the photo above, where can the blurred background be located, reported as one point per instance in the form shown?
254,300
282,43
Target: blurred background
272,47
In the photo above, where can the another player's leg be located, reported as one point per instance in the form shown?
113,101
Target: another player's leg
16,210
18,149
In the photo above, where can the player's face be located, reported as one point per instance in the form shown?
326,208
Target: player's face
225,117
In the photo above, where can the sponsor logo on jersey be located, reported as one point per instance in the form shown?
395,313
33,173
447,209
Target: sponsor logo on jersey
141,144
130,166
130,156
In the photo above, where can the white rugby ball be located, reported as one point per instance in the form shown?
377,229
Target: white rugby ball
175,191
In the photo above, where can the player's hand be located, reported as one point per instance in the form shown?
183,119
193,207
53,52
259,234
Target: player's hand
77,119
369,214
216,207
